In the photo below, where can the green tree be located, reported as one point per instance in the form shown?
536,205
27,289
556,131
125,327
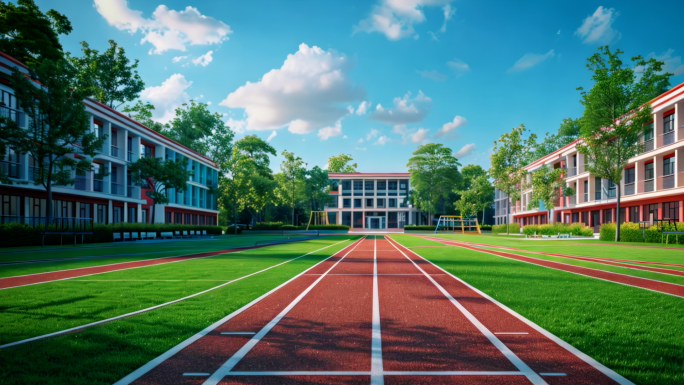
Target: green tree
142,113
158,176
616,111
339,164
567,133
58,135
317,183
29,35
194,126
508,158
258,150
547,184
434,173
470,173
113,81
293,169
477,198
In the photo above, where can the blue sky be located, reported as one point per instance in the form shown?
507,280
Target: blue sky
374,79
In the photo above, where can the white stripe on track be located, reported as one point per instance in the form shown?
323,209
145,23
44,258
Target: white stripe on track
153,307
512,357
386,373
376,336
221,372
595,364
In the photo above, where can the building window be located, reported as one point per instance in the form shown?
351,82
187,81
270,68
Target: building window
346,218
671,210
167,217
633,213
369,187
346,203
630,175
177,218
145,151
382,189
403,187
116,215
346,188
668,124
392,188
650,210
381,203
357,203
648,132
607,215
132,217
649,171
668,165
586,191
358,219
369,202
392,202
358,188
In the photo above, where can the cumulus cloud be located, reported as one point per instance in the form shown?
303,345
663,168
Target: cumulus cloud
395,18
458,66
530,60
203,60
273,135
167,97
671,64
419,136
433,75
383,140
360,140
465,150
167,29
304,94
406,110
238,126
328,132
448,14
449,127
363,108
597,28
179,58
372,134
360,148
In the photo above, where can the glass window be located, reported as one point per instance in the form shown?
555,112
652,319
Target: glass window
668,123
648,131
357,203
358,219
358,187
346,188
346,202
649,171
630,175
381,203
346,218
668,166
382,189
633,214
650,210
392,202
369,187
369,202
671,210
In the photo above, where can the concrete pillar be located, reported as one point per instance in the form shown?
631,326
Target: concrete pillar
125,212
639,177
592,188
110,212
679,168
139,213
107,130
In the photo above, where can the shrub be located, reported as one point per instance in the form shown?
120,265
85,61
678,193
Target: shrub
485,227
230,230
514,228
630,232
328,227
576,229
268,226
419,228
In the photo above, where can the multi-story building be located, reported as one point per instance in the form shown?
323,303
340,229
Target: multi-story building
652,185
372,201
500,207
105,193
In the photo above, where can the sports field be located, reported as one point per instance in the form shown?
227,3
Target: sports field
343,309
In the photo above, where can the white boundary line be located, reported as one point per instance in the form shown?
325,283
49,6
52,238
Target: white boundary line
386,373
597,365
376,336
225,369
533,377
572,272
153,307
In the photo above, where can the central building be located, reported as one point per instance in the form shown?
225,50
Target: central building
372,201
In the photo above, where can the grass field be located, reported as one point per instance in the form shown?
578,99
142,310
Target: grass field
636,332
104,353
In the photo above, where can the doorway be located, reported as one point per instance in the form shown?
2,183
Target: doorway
595,221
374,223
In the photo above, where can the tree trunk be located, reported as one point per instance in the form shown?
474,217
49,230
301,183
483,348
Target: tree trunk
508,213
48,188
617,214
235,215
293,194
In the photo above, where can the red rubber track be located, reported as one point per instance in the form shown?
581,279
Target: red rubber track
31,279
330,324
644,283
603,261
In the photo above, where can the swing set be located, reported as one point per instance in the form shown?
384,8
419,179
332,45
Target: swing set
456,223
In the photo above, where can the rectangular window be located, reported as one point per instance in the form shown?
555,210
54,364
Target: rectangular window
392,188
369,202
630,175
671,210
116,215
382,189
357,203
403,187
586,191
649,171
608,216
346,188
392,222
167,217
633,214
332,218
668,165
392,202
145,151
381,203
132,217
177,218
346,203
650,210
369,187
346,218
648,132
358,219
668,124
358,188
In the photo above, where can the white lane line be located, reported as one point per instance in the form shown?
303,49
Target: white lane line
153,307
512,333
595,364
552,374
196,374
372,274
221,372
515,360
169,353
238,333
386,373
376,336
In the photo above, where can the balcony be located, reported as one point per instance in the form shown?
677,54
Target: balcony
572,201
117,189
98,185
16,116
131,157
648,145
10,169
115,151
81,183
666,182
668,138
572,171
649,185
133,192
629,188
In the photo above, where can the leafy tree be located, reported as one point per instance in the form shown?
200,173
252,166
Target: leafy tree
258,150
142,113
339,164
194,127
508,159
567,133
470,173
547,184
113,81
434,173
317,183
615,112
159,175
29,35
293,169
477,198
58,135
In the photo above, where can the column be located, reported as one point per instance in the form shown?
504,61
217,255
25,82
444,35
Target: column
139,213
107,130
125,212
622,183
136,147
639,177
679,168
124,134
159,151
657,173
658,129
107,180
110,212
592,188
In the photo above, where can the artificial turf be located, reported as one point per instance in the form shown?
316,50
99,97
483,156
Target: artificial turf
34,310
636,332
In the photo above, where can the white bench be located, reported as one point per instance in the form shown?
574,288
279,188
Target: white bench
126,236
185,234
150,235
166,234
116,236
204,233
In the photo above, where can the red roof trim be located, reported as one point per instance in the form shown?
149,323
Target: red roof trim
13,60
546,157
671,90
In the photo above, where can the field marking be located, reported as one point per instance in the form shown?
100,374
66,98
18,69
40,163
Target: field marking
376,336
386,373
513,333
238,333
154,307
490,252
195,374
9,263
597,365
224,369
552,374
171,352
512,357
150,280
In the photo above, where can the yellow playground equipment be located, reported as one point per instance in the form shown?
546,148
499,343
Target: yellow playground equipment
317,218
456,223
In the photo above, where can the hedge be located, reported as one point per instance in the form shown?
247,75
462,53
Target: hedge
230,230
630,232
18,234
514,228
280,226
576,229
485,227
419,228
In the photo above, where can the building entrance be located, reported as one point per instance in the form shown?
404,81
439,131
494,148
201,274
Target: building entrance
375,222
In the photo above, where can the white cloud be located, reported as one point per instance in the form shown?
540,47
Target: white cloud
167,97
448,14
304,94
372,134
363,108
395,18
209,103
448,127
433,36
360,148
465,150
672,65
419,136
406,110
383,140
360,140
167,29
273,135
529,60
400,129
433,75
328,132
204,60
344,137
238,126
458,66
597,28
179,58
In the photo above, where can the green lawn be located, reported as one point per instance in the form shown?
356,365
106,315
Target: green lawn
636,332
41,309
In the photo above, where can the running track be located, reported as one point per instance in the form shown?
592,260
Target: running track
644,283
376,313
